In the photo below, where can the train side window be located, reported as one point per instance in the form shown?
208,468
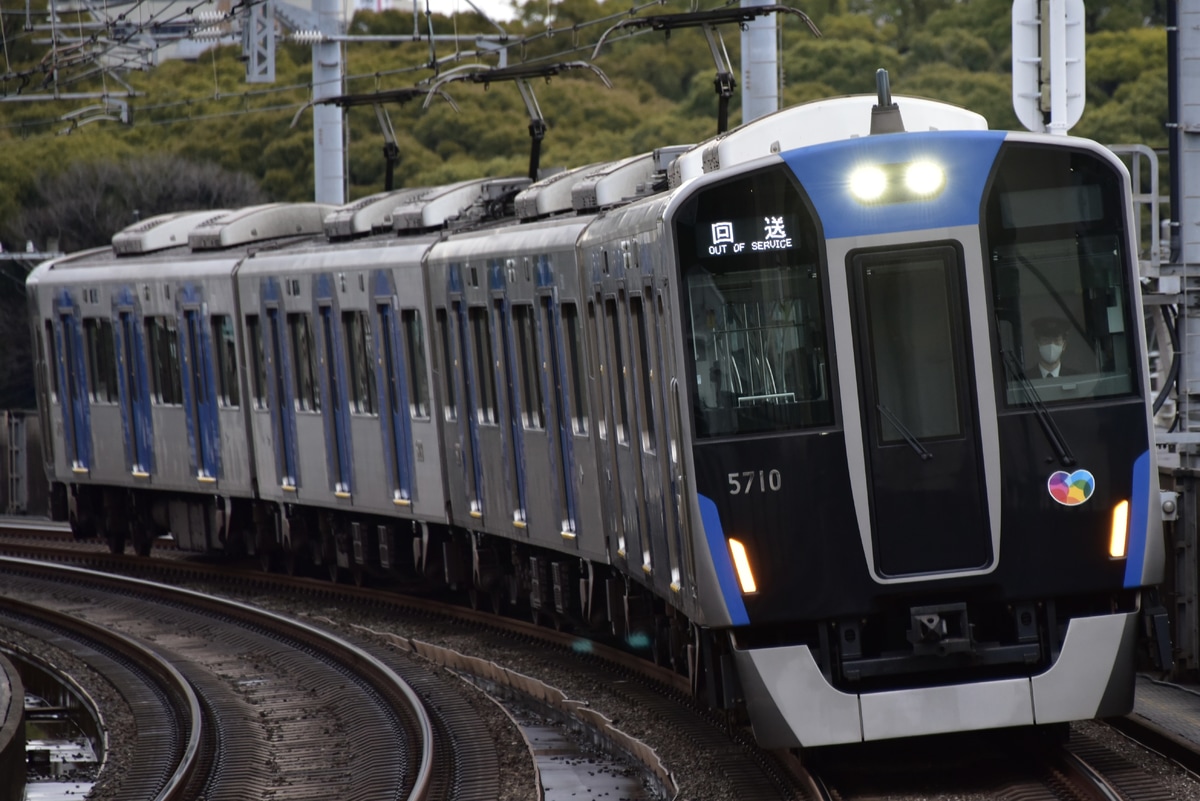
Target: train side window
418,371
645,374
308,393
578,389
362,376
225,345
485,374
258,362
101,360
166,383
534,413
51,360
449,365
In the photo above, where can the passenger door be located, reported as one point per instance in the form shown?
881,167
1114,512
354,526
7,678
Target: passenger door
73,379
282,401
334,388
558,426
392,377
134,388
199,394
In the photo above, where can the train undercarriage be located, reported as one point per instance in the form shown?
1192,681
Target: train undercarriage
491,573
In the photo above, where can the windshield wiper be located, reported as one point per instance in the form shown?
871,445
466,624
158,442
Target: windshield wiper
1057,441
915,443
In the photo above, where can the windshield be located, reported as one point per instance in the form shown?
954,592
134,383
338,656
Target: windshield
1055,235
755,317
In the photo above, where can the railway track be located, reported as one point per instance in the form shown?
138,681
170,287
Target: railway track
655,692
275,708
164,706
998,766
1028,769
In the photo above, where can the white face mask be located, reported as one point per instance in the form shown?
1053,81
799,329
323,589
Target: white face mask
1050,353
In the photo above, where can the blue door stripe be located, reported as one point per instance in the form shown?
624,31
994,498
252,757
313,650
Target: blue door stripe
134,389
77,412
199,390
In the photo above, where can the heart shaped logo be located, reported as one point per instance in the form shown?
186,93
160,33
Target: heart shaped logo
1071,489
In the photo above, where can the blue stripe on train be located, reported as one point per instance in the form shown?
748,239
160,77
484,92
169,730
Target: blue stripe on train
966,157
1139,521
722,563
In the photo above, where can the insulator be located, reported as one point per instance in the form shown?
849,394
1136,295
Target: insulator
209,34
308,37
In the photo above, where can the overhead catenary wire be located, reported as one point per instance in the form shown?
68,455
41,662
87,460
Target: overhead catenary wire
116,38
145,112
116,60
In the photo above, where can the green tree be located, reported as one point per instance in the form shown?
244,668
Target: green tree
663,91
85,204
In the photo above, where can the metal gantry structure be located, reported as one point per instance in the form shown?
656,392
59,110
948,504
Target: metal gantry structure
1171,287
120,34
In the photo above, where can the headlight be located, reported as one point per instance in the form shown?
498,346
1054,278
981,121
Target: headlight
903,182
868,183
924,178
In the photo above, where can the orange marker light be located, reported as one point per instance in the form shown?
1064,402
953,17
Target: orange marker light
741,563
1120,530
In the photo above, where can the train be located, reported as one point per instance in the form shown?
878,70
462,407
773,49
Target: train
842,413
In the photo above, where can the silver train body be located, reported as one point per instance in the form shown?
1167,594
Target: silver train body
773,408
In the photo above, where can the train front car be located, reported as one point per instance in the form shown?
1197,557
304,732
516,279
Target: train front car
926,491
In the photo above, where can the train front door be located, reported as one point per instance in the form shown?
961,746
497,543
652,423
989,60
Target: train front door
919,415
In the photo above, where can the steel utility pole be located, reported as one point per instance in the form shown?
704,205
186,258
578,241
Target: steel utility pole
760,64
329,165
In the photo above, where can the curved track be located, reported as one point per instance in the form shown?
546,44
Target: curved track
178,731
995,765
289,711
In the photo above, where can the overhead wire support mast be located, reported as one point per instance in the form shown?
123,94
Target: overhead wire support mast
521,74
724,83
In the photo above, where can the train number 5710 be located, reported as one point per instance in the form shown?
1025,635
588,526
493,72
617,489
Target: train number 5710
750,481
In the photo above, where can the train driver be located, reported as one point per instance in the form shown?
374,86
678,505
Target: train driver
1050,333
